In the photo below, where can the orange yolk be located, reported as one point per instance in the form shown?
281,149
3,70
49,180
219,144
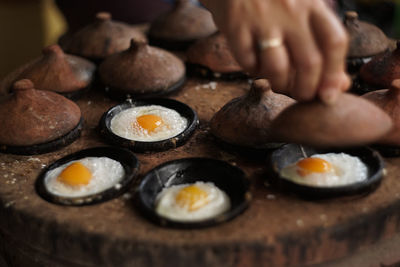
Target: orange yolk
192,197
75,174
149,122
312,165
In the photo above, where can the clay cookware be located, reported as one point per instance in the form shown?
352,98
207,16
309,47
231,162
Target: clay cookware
178,28
246,121
213,53
30,117
142,70
366,40
54,71
102,38
350,121
389,101
382,69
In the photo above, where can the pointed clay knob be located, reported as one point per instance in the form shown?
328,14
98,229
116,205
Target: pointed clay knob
23,85
350,121
351,15
52,50
103,16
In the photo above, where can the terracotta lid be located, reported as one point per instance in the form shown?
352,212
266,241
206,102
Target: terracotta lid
214,53
365,39
142,70
246,121
389,101
350,121
54,71
186,22
102,38
30,116
382,69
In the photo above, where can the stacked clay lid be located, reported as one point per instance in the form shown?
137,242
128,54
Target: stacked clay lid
102,38
382,69
36,121
54,71
178,28
142,71
366,40
212,57
389,101
350,121
246,121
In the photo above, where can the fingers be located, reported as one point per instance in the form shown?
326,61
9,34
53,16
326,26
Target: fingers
332,41
242,46
274,63
307,61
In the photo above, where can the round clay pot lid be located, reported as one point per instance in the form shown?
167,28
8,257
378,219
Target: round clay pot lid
350,121
389,101
291,153
245,121
141,71
102,38
213,53
181,26
54,71
382,69
365,39
226,177
36,121
126,158
143,146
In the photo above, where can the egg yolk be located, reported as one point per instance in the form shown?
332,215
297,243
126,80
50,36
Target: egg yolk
149,122
192,197
312,165
75,174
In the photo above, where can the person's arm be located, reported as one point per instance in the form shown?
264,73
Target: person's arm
299,45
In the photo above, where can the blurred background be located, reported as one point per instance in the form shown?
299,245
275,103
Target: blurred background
26,26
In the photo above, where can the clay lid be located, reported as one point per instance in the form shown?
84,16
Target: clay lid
389,101
365,39
214,53
102,38
142,69
31,116
246,120
185,22
350,121
54,71
382,69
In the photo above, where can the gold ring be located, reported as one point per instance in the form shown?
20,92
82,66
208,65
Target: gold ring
270,43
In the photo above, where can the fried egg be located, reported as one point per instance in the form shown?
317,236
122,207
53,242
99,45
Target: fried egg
148,123
326,170
84,177
192,202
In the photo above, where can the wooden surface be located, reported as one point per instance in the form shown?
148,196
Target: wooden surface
278,229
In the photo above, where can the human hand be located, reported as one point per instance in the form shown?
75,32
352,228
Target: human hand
299,45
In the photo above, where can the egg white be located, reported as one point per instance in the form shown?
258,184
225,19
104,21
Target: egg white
106,173
123,123
346,170
166,206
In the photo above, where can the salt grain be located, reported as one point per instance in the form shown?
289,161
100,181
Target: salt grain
271,196
300,223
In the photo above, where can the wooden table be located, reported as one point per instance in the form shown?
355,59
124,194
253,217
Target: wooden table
278,229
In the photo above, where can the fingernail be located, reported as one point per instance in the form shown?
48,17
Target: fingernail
329,95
